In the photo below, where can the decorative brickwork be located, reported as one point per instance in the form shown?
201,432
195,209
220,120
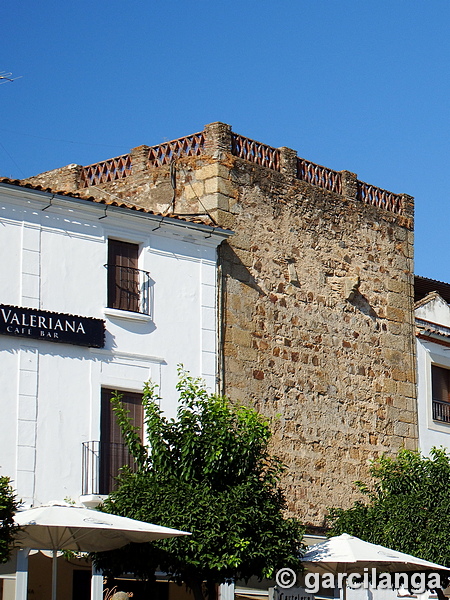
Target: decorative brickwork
317,291
108,170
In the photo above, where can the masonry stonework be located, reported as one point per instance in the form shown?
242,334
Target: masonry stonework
316,301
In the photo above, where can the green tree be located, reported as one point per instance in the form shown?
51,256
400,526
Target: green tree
8,507
210,472
406,508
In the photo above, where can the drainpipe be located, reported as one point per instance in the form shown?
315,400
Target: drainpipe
220,377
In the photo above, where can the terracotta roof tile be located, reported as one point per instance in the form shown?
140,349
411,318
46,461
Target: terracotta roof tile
129,205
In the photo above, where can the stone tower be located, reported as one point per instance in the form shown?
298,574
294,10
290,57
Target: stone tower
316,296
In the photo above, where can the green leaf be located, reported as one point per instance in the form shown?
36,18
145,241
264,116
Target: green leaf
210,472
8,507
405,508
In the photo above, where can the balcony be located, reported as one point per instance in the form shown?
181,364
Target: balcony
129,289
101,464
441,411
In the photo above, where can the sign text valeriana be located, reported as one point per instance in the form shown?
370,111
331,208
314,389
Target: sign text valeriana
51,326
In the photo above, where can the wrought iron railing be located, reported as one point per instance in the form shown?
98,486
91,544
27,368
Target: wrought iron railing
255,152
441,411
318,175
163,154
129,289
101,463
108,170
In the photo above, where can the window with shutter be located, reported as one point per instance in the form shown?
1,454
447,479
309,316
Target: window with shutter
114,453
123,276
440,385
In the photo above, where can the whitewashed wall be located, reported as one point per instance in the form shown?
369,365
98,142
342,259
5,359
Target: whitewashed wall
431,433
54,259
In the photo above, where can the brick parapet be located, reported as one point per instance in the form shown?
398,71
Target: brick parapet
217,145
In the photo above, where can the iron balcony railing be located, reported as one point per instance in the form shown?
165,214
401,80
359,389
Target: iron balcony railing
101,463
441,411
129,289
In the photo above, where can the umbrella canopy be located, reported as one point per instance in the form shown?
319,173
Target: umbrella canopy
68,527
348,554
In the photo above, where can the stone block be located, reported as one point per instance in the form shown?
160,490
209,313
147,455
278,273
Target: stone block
230,349
410,443
194,190
396,328
400,287
397,300
396,314
406,389
409,417
403,374
405,430
212,202
219,185
215,169
248,354
241,338
389,386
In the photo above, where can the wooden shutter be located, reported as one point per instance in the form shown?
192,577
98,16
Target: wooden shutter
123,275
440,384
113,451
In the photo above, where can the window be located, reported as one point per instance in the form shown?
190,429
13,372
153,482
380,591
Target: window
440,386
114,453
123,276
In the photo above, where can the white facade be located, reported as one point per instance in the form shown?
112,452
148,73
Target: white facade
433,350
54,257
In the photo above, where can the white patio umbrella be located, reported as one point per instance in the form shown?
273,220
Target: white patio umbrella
349,554
61,526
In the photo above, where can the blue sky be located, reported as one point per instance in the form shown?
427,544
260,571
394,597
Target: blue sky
362,85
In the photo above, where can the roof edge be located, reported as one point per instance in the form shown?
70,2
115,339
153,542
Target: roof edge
168,219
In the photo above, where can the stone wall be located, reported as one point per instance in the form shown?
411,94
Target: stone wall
318,332
317,322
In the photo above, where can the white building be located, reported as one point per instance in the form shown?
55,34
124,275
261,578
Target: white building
95,297
432,313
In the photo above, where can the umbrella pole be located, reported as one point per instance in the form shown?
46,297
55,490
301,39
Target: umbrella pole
22,574
54,573
97,584
344,588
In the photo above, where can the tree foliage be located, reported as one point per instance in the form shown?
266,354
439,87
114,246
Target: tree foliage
210,472
406,509
8,507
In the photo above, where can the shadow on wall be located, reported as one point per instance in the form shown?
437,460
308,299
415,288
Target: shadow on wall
233,267
361,303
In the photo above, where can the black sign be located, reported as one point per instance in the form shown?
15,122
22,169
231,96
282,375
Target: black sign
51,326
